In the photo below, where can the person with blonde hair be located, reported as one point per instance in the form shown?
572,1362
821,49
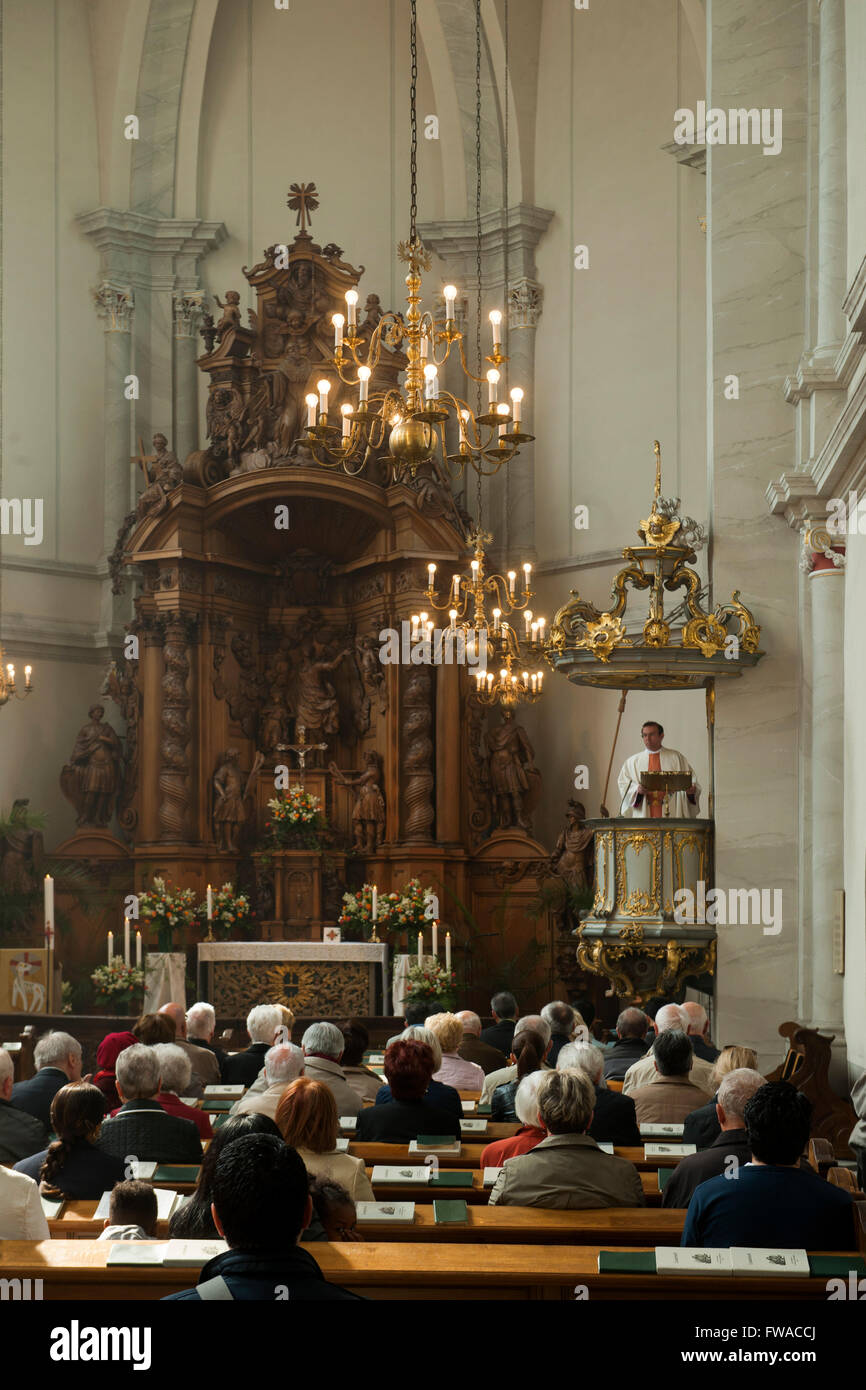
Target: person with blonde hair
567,1170
701,1127
444,1097
455,1070
308,1121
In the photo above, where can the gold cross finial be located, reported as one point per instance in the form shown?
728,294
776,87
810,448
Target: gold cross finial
657,450
303,199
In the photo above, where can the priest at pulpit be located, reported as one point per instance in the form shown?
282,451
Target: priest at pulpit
638,799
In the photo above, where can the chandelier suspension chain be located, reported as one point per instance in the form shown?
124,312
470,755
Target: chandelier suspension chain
413,124
506,266
478,359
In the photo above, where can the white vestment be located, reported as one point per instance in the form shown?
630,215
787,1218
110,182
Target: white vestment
629,781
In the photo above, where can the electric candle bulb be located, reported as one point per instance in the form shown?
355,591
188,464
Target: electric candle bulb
493,386
323,388
364,375
502,410
337,320
497,614
527,618
541,622
429,628
474,567
311,410
452,614
516,398
495,321
512,575
527,568
489,679
28,671
534,631
352,304
425,350
10,671
415,622
455,584
431,570
431,374
449,294
346,412
424,619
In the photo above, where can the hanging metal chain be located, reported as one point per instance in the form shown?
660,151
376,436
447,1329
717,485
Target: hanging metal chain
507,235
478,358
413,124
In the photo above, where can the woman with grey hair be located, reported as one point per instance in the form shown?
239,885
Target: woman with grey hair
175,1071
437,1093
530,1132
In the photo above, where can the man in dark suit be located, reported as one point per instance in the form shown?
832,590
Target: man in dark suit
561,1019
141,1126
200,1029
631,1044
20,1134
730,1151
503,1007
698,1031
204,1066
472,1049
772,1203
613,1117
58,1060
262,1205
263,1024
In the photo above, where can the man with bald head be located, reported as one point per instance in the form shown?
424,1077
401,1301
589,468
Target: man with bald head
669,1018
698,1031
630,1045
205,1067
472,1049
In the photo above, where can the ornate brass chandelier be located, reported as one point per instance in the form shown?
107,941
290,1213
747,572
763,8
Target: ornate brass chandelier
413,419
493,641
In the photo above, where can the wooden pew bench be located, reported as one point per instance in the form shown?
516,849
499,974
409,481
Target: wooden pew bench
474,1191
75,1270
470,1156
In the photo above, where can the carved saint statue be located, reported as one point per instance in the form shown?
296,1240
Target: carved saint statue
318,707
368,813
20,852
272,729
93,776
572,858
165,476
230,794
231,315
514,779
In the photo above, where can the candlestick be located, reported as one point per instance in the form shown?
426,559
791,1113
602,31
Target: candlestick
352,305
493,386
311,410
363,383
435,938
337,320
449,294
323,387
138,949
431,383
375,908
448,950
126,959
516,398
420,947
495,320
110,947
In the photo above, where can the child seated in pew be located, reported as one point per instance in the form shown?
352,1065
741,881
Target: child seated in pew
132,1212
334,1210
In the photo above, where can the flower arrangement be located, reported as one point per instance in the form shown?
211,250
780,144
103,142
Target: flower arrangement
230,910
296,820
431,984
167,911
396,912
119,984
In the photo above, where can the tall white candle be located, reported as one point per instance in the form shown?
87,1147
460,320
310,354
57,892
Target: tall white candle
375,907
435,937
126,957
110,947
209,903
138,949
448,950
420,947
49,911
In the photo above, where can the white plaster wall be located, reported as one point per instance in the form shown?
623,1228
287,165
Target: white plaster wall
854,989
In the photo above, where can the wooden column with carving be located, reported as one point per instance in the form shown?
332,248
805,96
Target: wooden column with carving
175,781
419,779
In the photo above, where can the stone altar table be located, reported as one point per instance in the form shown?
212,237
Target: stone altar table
310,977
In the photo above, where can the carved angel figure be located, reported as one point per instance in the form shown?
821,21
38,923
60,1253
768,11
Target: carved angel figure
231,315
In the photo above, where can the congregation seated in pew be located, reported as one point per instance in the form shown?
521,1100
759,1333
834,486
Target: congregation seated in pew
453,1070
204,1065
262,1203
631,1044
284,1063
669,1018
437,1093
472,1049
773,1202
323,1045
132,1212
175,1074
193,1219
364,1082
200,1030
530,1132
21,1133
107,1054
21,1214
263,1024
57,1058
527,1052
141,1126
307,1119
77,1163
613,1119
701,1127
731,1148
409,1071
535,1024
672,1095
567,1169
562,1020
334,1209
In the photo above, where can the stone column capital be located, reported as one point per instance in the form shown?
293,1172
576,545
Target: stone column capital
525,298
188,312
114,305
823,551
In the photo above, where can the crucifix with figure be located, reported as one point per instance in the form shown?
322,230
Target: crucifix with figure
302,748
